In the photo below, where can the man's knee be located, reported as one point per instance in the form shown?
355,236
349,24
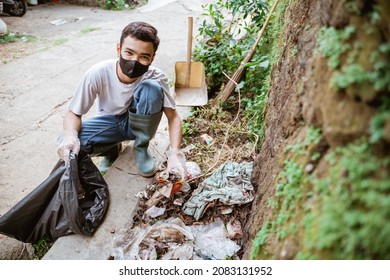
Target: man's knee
151,91
148,98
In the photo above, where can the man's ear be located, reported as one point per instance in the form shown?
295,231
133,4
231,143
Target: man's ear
118,49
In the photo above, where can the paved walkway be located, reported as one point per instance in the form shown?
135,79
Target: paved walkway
37,89
123,181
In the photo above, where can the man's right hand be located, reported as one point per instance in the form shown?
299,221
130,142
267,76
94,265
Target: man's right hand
67,141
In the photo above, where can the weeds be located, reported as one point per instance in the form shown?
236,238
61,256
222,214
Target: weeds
355,71
88,30
378,122
59,41
351,206
112,4
333,43
15,37
223,42
291,192
41,247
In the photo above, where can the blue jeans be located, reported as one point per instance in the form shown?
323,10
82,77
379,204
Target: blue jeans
107,129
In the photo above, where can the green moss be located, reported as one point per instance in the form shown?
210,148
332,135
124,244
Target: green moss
260,240
332,43
291,193
358,54
350,216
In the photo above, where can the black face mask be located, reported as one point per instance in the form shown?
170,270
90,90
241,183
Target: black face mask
132,68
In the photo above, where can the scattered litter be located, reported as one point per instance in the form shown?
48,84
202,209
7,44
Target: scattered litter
179,252
309,168
178,201
58,22
188,148
141,243
229,184
173,240
171,179
208,139
226,210
211,242
154,212
234,229
185,188
159,194
78,19
193,169
142,195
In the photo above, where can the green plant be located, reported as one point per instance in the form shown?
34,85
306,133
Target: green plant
112,4
41,247
223,42
355,74
260,239
59,41
343,48
378,122
14,37
350,219
88,30
333,43
313,136
291,193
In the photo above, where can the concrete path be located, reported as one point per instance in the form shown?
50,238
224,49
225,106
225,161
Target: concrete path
35,92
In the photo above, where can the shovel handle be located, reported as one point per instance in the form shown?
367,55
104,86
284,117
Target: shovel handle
189,50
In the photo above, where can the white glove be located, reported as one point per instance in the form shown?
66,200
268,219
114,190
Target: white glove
177,163
67,141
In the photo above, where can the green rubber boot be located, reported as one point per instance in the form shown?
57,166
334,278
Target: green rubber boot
144,128
109,153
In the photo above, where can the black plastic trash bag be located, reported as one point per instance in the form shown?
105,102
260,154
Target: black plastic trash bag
73,199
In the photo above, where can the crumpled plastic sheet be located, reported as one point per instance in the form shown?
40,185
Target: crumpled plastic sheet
230,184
182,242
211,241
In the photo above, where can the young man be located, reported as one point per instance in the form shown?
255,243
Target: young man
131,95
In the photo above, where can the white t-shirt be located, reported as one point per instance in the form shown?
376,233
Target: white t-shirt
102,83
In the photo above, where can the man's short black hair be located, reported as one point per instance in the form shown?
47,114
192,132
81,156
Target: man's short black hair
141,31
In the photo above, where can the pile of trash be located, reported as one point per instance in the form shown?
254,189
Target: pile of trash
194,222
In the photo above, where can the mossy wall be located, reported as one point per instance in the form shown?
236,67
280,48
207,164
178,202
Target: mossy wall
323,173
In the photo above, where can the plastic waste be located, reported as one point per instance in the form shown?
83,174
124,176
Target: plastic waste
178,241
208,139
73,199
211,241
154,212
234,229
141,242
193,169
